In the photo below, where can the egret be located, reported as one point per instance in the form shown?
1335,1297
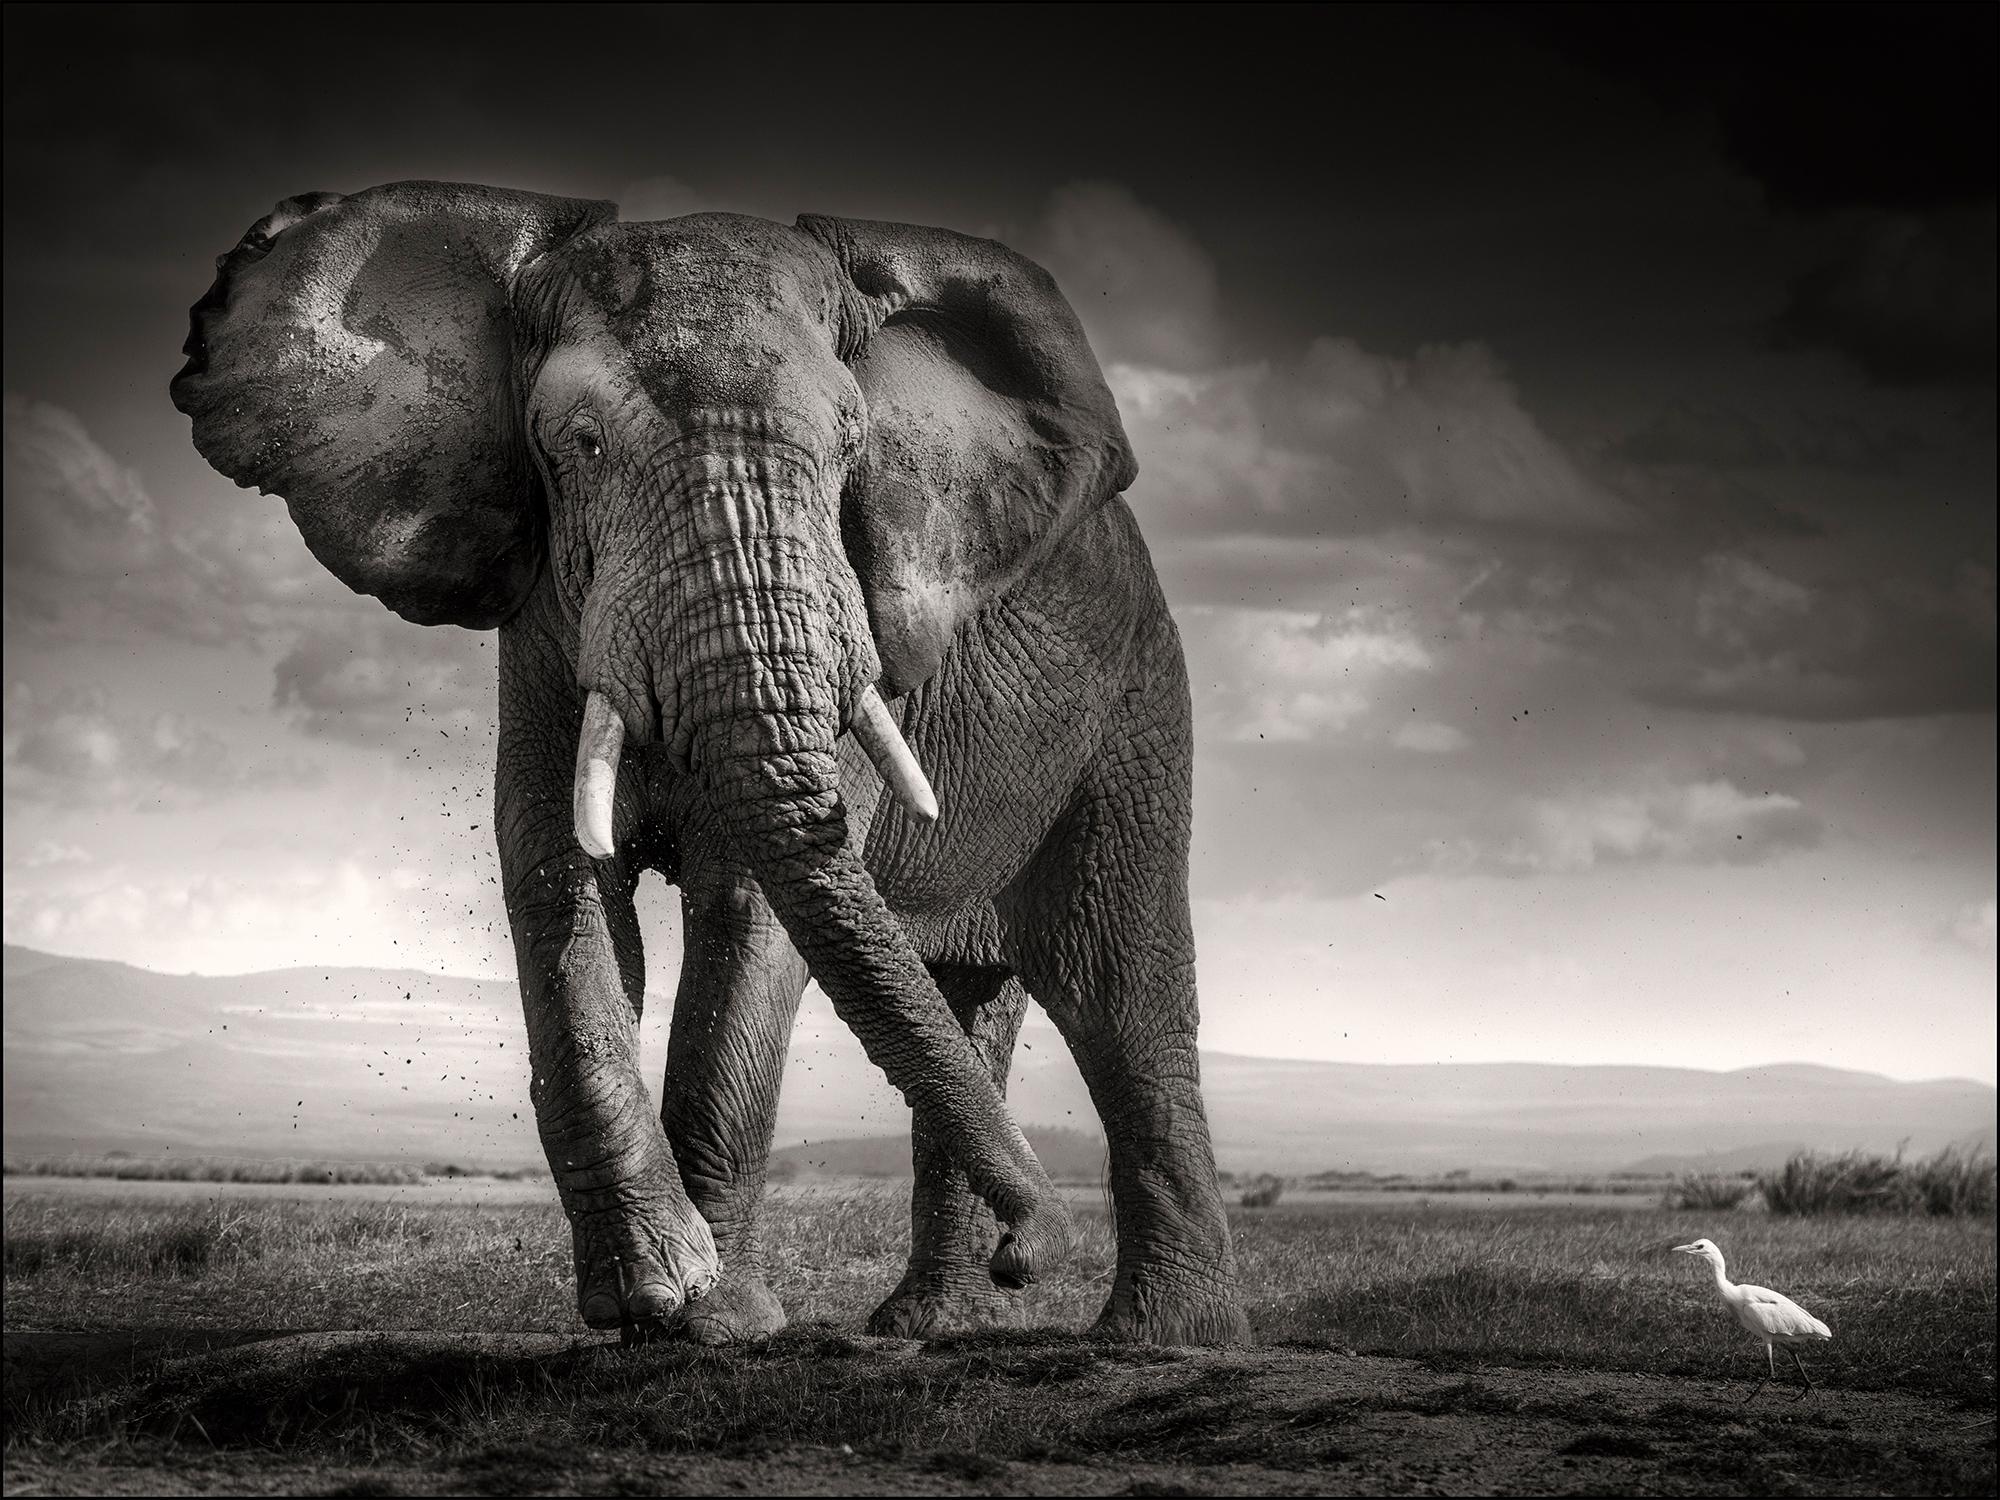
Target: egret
1769,1316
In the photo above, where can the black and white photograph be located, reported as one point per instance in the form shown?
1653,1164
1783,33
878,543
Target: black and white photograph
1000,749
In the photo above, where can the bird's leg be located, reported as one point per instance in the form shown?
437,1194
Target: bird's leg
1802,1372
1757,1390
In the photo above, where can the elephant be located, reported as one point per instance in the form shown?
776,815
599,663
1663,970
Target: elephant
729,489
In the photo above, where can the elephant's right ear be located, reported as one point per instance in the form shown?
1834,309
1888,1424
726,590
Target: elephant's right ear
356,356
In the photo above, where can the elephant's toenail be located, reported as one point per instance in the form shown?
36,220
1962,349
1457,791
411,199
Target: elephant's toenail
652,1301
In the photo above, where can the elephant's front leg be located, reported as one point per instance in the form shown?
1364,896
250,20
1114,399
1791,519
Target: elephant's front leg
642,1251
740,984
947,1287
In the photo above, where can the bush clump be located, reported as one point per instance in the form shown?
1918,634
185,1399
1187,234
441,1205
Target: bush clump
1953,1182
1956,1182
1262,1193
1710,1190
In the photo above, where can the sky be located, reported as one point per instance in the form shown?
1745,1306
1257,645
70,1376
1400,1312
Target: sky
1566,437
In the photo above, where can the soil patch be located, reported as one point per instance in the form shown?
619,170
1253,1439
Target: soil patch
820,1411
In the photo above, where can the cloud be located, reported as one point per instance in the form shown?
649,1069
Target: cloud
74,747
345,910
376,675
80,524
1736,636
1428,737
1290,675
1348,442
1339,441
1702,435
1907,297
1643,564
48,853
1973,925
1709,821
1146,292
91,554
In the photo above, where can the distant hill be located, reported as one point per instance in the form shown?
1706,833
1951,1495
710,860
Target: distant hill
403,1065
1067,1155
1761,1157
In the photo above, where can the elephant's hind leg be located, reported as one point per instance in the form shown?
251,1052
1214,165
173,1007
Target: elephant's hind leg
739,991
1107,949
948,1287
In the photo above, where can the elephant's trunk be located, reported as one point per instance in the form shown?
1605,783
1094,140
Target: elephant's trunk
767,654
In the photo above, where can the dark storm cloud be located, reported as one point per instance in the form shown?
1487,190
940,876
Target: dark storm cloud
1756,642
1910,298
1829,107
1366,282
1874,123
1337,441
1706,435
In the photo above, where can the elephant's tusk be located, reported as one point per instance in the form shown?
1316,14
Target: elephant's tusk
886,747
597,750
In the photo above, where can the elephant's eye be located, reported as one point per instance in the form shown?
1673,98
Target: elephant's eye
588,448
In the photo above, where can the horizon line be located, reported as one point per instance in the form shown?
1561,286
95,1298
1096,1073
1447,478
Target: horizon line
1523,1062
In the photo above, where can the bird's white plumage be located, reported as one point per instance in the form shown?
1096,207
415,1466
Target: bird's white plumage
1777,1319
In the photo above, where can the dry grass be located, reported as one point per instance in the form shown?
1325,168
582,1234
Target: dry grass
1911,1299
1561,1289
229,1169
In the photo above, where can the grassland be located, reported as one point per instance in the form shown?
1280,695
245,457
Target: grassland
1559,1325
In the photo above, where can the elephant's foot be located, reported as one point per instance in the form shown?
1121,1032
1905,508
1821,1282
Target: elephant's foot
1036,1242
639,1268
928,1306
1157,1315
739,1309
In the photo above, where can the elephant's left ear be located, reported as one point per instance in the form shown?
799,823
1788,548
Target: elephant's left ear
991,431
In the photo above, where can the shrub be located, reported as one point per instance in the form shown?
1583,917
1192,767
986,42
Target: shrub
1264,1192
1953,1182
1956,1182
1852,1182
1709,1190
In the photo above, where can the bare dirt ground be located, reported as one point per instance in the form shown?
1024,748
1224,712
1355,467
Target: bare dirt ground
1030,1414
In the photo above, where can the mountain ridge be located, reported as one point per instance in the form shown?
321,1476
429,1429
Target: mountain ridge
345,1061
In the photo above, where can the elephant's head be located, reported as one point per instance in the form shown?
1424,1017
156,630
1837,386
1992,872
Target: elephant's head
767,466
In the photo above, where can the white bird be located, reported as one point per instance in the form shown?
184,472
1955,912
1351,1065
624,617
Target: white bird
1773,1318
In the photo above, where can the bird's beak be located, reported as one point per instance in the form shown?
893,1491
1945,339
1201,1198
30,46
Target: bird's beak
1684,1250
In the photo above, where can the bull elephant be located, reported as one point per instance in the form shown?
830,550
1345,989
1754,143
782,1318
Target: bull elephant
730,489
